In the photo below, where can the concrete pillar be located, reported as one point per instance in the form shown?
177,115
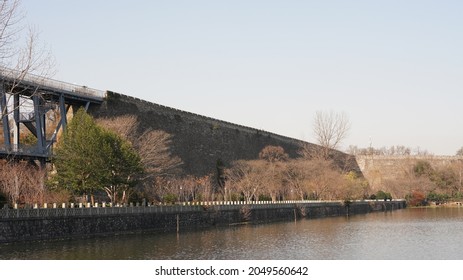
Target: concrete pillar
96,205
36,206
45,205
15,206
89,205
80,205
103,204
63,205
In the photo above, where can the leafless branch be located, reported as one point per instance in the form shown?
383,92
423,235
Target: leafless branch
330,129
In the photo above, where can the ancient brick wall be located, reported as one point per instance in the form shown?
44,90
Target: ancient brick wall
198,140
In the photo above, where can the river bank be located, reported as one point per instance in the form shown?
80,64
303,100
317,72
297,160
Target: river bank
18,225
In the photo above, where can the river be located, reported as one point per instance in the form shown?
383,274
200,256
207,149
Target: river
418,234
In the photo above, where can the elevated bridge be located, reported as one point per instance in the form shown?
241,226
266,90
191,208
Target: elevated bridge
34,110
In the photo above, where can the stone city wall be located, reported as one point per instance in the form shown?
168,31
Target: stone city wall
378,169
201,141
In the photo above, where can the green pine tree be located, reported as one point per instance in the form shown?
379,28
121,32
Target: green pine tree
89,159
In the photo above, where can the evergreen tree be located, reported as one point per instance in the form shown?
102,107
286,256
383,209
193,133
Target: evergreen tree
89,159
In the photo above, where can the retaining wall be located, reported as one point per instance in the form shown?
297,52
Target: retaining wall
63,223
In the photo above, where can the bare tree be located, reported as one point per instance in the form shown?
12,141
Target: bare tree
244,177
22,183
296,176
32,58
153,146
10,18
273,162
273,154
22,58
330,130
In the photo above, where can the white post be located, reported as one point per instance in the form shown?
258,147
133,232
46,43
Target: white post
45,205
63,205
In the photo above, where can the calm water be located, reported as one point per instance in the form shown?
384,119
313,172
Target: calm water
404,234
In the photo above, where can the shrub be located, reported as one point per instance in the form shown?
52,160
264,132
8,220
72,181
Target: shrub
416,198
170,198
383,195
438,197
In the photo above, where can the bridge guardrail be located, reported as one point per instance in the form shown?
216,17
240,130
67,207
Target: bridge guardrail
32,79
23,150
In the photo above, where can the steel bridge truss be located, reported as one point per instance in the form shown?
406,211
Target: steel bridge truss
34,110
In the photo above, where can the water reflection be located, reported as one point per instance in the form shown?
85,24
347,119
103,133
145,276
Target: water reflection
403,234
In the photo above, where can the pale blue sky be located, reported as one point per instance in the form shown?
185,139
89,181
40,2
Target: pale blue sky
394,67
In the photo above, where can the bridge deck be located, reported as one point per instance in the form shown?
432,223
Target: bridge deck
29,84
40,91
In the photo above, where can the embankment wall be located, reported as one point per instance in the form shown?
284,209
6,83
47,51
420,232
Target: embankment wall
18,225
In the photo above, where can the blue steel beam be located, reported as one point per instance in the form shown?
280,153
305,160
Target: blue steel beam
16,118
62,122
39,124
6,124
42,92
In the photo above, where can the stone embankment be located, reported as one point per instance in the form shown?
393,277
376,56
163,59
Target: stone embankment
63,223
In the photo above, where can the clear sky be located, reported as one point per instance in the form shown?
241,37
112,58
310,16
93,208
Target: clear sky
394,67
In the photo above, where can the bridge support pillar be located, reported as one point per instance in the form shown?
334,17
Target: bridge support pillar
39,123
5,119
16,117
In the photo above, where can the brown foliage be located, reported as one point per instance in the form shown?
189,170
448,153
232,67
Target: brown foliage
22,183
323,179
245,177
189,188
273,154
301,178
417,198
153,146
